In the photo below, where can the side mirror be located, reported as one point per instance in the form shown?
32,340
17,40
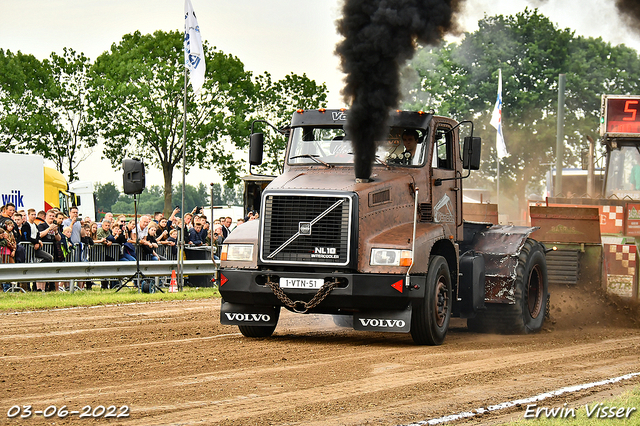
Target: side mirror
471,153
256,147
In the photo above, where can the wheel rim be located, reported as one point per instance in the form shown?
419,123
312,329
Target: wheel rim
442,301
534,292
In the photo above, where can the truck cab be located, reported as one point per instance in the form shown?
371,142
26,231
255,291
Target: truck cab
390,253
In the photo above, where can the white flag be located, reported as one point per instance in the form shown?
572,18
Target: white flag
496,120
193,53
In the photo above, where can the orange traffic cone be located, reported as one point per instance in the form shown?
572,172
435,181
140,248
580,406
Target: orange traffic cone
173,286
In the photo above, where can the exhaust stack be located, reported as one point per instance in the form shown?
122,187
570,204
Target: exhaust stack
379,37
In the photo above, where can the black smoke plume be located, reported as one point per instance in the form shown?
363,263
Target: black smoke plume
379,37
629,11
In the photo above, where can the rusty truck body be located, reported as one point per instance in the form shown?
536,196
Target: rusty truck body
391,253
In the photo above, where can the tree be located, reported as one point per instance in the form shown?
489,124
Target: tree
216,199
23,80
193,196
43,108
138,90
71,131
138,104
276,104
106,196
232,196
461,80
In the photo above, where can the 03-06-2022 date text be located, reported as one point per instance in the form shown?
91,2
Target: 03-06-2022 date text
100,411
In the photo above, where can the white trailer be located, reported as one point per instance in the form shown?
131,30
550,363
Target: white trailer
22,181
85,198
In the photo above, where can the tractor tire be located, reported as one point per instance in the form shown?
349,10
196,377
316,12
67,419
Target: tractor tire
431,316
531,298
260,331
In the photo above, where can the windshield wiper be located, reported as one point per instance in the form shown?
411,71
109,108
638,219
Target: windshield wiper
314,157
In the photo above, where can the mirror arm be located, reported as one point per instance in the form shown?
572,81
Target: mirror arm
439,181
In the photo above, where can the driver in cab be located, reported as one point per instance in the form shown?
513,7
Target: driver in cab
410,141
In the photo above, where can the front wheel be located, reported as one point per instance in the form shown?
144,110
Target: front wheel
260,330
430,318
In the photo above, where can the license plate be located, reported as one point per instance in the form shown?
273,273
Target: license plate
301,282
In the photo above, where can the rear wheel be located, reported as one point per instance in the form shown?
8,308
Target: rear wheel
430,318
260,330
531,298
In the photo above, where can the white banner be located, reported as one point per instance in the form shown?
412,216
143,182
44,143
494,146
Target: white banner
193,53
496,120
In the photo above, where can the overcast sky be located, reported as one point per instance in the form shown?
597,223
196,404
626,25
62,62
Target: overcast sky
278,36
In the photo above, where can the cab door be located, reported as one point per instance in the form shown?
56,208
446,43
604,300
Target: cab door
446,194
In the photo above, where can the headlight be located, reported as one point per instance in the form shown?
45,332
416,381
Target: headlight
237,252
390,257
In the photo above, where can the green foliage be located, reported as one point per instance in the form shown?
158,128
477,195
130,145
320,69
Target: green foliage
23,80
133,97
106,196
43,108
460,80
71,130
193,196
276,104
151,199
138,104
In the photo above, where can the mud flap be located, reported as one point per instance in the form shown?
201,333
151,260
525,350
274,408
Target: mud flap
386,321
236,314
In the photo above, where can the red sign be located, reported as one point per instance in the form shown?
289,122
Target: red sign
622,115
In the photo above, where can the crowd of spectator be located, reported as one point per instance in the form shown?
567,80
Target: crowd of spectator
72,236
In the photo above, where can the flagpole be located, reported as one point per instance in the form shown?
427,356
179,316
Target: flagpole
195,62
498,189
496,122
184,161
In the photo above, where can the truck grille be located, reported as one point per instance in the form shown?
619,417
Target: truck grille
306,229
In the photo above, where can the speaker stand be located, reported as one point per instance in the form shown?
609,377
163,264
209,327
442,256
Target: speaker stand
139,276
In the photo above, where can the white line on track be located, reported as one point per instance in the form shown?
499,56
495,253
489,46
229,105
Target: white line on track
540,397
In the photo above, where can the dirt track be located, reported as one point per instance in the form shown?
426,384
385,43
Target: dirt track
173,363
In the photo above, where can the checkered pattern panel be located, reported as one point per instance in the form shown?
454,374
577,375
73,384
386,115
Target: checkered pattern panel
620,259
611,219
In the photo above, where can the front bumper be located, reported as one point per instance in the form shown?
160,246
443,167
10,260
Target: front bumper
355,293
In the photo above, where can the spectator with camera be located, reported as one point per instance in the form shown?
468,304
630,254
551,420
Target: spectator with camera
49,233
74,222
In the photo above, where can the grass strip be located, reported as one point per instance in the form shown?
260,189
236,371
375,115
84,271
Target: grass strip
15,302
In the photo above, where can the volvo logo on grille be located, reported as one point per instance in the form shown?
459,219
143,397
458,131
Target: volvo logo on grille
304,228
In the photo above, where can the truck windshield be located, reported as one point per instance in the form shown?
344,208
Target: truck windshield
331,145
623,173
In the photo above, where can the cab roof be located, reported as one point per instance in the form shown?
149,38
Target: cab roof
338,117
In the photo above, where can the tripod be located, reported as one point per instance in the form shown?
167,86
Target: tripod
138,276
